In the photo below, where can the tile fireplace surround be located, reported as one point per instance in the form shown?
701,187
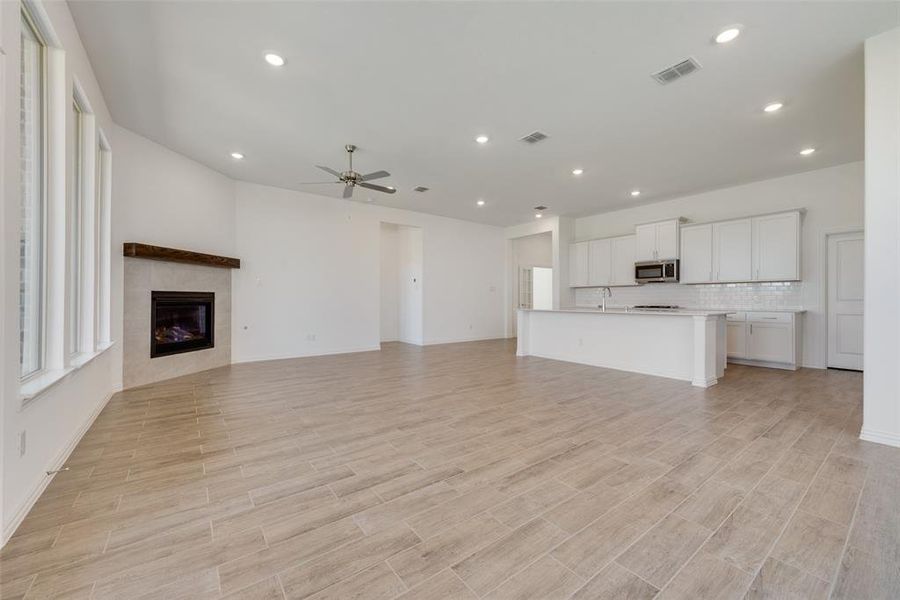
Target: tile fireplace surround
144,276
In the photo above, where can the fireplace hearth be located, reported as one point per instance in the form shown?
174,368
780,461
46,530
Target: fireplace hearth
181,322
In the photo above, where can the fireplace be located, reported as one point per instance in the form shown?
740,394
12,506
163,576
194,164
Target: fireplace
181,322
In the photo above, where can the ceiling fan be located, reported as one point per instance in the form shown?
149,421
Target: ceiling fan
351,178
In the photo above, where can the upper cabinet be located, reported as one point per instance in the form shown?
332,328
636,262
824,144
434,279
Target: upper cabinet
731,250
578,264
656,241
602,262
623,250
697,254
776,247
599,262
765,248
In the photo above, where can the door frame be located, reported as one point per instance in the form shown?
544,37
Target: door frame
823,287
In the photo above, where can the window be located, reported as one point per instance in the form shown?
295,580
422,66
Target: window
75,250
32,131
102,188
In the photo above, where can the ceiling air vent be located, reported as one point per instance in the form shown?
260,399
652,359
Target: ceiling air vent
670,74
540,208
420,188
534,137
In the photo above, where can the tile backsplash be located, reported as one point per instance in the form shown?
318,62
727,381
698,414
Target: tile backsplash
743,296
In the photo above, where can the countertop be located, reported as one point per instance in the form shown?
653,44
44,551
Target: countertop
681,312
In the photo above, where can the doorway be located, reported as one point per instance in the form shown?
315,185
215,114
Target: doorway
846,269
531,277
401,312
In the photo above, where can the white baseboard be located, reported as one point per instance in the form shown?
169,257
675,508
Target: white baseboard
57,462
289,356
460,340
887,438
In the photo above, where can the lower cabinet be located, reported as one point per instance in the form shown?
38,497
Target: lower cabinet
764,338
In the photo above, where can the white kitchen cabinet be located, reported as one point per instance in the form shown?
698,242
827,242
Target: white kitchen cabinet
737,339
776,247
599,262
770,339
732,250
622,265
657,241
579,264
696,254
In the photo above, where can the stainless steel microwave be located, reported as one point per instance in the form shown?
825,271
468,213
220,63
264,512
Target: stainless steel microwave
656,271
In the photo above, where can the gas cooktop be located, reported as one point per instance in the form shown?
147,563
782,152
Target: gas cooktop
657,307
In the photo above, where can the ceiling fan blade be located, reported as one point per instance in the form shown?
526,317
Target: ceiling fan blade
377,188
327,170
317,182
348,191
375,175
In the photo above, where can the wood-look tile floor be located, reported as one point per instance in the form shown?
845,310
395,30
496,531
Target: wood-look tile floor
460,471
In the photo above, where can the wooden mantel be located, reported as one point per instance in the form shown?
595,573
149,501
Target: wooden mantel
137,250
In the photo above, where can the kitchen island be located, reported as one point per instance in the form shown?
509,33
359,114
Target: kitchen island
681,344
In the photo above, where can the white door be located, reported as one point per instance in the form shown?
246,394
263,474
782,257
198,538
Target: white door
542,288
578,264
645,243
696,254
667,240
776,247
622,260
731,250
845,300
599,262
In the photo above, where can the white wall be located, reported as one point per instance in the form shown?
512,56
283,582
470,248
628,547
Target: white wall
542,288
390,283
832,197
310,267
54,420
881,402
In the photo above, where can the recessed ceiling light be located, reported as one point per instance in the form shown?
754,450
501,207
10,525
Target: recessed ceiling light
482,139
538,215
274,60
635,192
237,155
728,34
807,151
577,171
480,203
774,107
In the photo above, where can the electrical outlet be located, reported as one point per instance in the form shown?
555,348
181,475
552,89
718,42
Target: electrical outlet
22,443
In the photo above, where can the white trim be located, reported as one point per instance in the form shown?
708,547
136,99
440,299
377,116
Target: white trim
880,437
41,19
460,340
37,386
57,462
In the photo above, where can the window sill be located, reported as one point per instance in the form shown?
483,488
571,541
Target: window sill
32,389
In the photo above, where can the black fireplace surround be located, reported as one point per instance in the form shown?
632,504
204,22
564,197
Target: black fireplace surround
181,322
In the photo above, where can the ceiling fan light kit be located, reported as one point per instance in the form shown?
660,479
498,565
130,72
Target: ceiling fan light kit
351,178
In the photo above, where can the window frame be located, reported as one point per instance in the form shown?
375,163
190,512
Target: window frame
28,23
75,215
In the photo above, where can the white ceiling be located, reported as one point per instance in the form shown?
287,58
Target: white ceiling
413,83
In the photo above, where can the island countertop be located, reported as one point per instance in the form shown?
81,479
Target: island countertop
682,344
677,312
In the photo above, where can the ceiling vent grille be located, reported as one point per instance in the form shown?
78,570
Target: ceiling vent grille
682,69
534,137
542,207
420,188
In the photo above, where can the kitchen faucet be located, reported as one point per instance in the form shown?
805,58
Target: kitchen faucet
605,293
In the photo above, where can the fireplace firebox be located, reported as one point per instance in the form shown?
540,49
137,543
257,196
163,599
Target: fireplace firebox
181,322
